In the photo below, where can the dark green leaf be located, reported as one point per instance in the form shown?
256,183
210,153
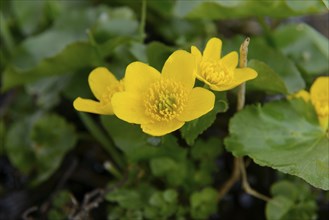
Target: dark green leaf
157,54
191,130
267,79
281,65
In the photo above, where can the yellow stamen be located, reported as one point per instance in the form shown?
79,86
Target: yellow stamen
165,100
215,73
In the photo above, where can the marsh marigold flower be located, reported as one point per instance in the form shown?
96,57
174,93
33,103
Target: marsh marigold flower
162,103
220,73
103,85
319,96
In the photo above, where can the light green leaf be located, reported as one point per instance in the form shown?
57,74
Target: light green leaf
284,135
245,8
267,80
191,130
203,203
175,172
30,15
277,207
307,47
291,201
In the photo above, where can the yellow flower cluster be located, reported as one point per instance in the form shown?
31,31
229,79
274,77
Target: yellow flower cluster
162,102
319,96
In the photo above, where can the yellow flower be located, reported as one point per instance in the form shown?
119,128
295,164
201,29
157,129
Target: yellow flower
220,73
162,103
103,84
319,96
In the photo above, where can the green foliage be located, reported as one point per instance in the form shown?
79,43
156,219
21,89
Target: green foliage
203,203
61,205
54,52
278,134
38,144
291,201
49,48
307,47
246,8
267,80
191,130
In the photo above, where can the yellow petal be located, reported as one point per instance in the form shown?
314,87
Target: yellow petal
213,49
99,79
196,52
162,128
200,102
129,107
324,122
302,94
180,67
230,61
139,76
239,76
320,89
87,105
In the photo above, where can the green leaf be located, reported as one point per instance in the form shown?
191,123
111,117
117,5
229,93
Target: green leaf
307,47
47,90
203,203
245,8
126,198
138,145
191,130
40,147
284,135
30,15
206,150
278,207
267,79
157,54
175,172
291,201
66,47
283,66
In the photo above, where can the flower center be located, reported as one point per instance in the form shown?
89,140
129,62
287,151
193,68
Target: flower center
110,90
214,72
165,100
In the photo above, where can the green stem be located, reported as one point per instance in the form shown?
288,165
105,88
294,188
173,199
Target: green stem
142,22
101,137
6,35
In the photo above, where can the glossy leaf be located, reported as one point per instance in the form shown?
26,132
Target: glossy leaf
284,135
267,80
